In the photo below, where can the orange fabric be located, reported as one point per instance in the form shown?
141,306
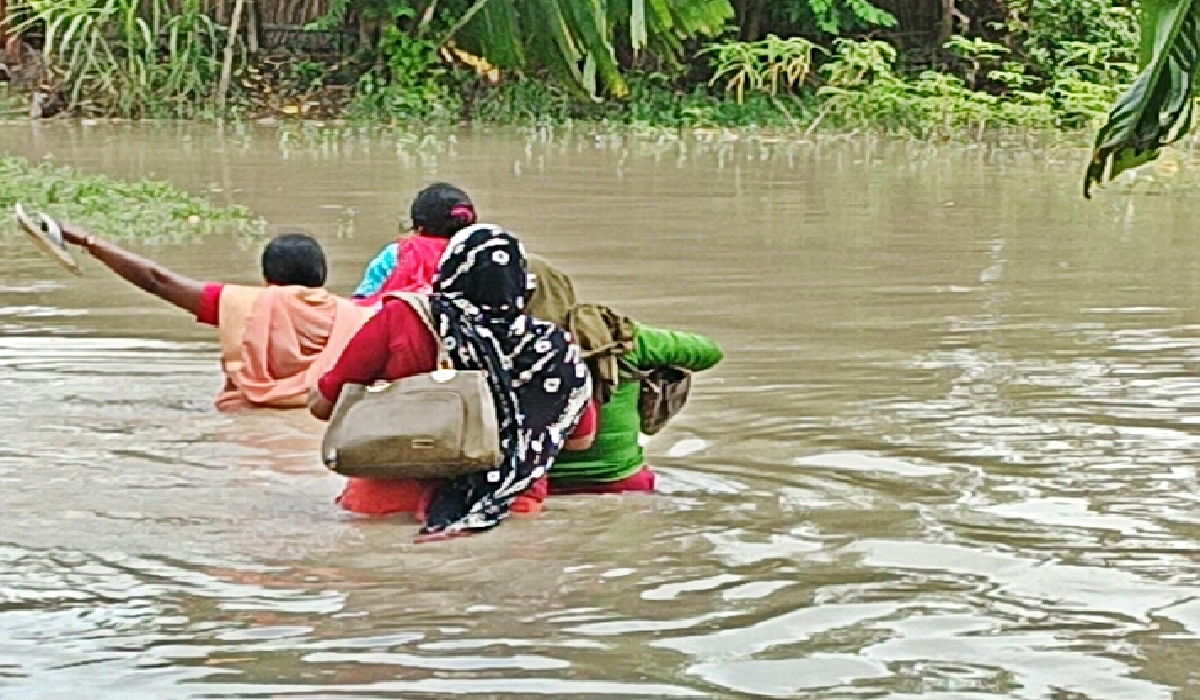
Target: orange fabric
417,260
235,304
390,496
386,496
289,338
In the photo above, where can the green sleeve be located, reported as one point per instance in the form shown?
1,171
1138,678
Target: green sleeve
655,347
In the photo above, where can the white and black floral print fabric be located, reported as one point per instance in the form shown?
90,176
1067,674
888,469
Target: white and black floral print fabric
539,383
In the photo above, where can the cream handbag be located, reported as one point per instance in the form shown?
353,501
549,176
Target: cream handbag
428,426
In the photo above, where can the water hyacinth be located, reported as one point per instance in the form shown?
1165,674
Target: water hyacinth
146,210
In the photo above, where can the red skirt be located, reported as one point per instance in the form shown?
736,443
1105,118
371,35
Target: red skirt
390,496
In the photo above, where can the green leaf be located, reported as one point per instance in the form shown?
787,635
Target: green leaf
1157,108
575,39
638,37
501,25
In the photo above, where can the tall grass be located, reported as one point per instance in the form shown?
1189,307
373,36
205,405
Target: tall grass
130,58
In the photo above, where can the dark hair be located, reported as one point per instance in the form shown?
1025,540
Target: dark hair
294,259
442,210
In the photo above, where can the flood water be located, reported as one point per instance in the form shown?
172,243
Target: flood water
951,453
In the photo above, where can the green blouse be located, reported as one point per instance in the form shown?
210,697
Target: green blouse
616,454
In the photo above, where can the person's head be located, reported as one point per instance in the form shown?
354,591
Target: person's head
293,258
485,265
441,210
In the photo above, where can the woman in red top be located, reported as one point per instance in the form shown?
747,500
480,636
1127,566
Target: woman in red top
409,264
539,383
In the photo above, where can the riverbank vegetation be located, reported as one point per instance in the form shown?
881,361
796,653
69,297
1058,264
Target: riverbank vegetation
146,210
926,68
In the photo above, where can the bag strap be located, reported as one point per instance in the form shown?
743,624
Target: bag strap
638,374
420,304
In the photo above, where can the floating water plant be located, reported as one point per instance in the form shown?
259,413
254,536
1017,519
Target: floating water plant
148,210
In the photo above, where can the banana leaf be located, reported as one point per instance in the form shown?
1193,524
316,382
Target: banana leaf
1157,109
575,39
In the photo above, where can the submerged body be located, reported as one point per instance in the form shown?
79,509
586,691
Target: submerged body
538,382
276,340
615,462
407,265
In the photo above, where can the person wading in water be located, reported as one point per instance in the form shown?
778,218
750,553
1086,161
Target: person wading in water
276,340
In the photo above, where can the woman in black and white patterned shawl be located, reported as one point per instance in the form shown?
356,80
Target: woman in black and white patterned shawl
539,383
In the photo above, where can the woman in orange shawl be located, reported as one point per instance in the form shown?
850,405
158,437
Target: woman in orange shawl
276,340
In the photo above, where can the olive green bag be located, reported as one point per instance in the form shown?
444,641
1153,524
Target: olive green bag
436,425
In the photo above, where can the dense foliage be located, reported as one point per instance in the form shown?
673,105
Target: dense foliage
896,65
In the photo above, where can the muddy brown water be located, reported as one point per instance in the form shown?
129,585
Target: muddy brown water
952,452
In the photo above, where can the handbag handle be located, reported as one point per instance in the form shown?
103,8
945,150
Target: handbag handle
420,304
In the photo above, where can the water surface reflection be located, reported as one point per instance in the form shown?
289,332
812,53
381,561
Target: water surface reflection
951,454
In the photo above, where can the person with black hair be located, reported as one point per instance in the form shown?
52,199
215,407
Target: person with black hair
408,265
537,380
276,340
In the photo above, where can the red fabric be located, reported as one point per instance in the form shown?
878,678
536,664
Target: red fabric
417,260
385,496
586,427
208,311
641,480
531,501
394,344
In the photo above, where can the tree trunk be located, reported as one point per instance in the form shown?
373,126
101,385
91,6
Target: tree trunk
946,27
752,26
252,24
227,64
739,14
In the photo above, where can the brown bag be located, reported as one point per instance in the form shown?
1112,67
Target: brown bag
429,426
664,391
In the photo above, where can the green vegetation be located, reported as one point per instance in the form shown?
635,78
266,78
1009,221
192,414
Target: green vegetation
1157,108
896,66
146,210
107,56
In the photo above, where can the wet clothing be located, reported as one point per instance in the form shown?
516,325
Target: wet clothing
642,480
616,455
414,263
552,297
275,341
377,271
391,496
539,383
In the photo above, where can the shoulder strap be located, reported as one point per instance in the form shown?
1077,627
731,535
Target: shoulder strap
420,304
632,371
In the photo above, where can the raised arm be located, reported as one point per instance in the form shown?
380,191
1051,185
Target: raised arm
143,273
